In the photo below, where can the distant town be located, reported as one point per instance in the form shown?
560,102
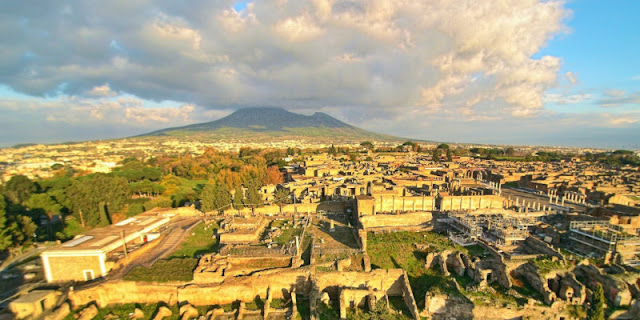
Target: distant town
166,228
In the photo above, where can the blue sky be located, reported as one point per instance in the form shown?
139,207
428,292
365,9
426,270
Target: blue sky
487,71
602,48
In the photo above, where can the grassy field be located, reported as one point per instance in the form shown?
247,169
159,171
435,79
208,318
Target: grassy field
165,271
546,265
287,234
202,240
396,250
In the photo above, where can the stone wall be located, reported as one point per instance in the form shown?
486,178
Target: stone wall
387,203
272,210
543,247
459,203
529,273
280,282
421,219
614,289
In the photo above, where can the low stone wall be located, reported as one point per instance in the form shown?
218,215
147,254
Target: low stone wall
415,219
281,283
120,292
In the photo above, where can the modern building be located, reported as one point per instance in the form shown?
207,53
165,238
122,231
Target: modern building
93,254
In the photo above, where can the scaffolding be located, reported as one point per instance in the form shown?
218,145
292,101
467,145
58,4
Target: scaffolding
504,230
602,238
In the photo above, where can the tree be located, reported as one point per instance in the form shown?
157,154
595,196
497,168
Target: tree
274,176
367,144
443,146
282,197
449,155
509,151
94,193
5,231
332,150
596,309
238,198
253,197
215,196
19,188
44,202
435,155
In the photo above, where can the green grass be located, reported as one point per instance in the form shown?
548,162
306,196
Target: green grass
287,234
323,269
164,271
200,242
396,250
279,303
546,265
326,312
476,250
256,304
381,312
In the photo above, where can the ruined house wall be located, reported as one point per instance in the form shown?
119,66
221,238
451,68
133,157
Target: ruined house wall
530,274
281,282
545,248
615,290
396,220
407,296
120,292
379,279
456,203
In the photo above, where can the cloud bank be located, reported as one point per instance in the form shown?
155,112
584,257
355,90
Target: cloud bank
380,54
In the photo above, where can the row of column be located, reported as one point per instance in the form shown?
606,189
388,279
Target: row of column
571,197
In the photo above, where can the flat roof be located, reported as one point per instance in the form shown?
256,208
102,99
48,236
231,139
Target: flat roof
108,238
34,296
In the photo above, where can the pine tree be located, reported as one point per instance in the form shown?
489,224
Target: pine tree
5,232
596,310
215,196
238,197
253,197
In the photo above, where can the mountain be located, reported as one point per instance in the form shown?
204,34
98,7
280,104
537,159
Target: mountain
270,122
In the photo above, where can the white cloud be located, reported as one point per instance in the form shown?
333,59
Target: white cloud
618,98
558,98
379,54
102,91
571,76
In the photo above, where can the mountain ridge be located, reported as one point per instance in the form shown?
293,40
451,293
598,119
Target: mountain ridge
273,121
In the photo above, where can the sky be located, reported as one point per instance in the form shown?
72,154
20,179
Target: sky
532,72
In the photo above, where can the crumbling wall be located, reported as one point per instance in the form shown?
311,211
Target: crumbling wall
614,289
407,296
529,273
120,292
545,248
